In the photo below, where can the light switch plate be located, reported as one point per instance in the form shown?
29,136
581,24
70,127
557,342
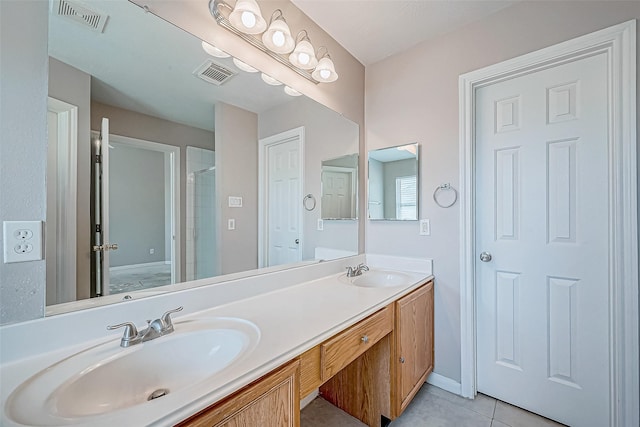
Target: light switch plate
425,227
235,201
22,241
231,224
320,225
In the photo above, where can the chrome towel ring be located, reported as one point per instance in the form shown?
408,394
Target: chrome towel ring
445,195
309,202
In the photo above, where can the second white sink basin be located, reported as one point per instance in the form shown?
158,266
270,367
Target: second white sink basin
382,279
108,378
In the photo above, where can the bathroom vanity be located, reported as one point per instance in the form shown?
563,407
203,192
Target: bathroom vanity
370,370
243,352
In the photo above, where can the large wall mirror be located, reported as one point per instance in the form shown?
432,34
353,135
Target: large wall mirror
393,183
155,151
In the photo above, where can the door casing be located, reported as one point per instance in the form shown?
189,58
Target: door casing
263,208
618,43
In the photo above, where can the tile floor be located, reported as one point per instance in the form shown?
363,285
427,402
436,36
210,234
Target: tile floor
135,279
434,407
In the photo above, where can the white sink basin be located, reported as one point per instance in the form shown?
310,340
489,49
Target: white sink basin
382,279
108,378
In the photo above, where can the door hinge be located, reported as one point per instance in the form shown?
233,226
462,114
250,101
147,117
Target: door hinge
98,228
98,158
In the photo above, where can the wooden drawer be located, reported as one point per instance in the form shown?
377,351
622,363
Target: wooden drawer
345,347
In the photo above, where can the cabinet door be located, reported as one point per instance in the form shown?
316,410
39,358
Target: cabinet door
414,345
272,401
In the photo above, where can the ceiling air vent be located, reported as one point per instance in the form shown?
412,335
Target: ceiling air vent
214,73
81,14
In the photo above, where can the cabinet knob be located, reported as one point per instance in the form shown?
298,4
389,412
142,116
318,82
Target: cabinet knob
401,359
365,339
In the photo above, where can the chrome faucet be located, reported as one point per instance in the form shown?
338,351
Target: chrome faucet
155,329
356,271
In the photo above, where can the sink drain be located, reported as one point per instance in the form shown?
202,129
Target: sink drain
158,393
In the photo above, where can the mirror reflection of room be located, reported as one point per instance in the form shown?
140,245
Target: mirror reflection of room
393,183
339,188
169,191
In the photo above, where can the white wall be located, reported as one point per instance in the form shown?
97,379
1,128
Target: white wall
23,146
413,96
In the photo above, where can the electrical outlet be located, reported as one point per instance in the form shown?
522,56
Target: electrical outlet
425,227
320,225
22,241
152,251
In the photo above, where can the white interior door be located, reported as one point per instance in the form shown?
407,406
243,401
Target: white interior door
284,201
542,216
336,194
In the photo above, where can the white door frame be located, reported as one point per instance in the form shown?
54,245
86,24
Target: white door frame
618,43
263,199
174,151
64,230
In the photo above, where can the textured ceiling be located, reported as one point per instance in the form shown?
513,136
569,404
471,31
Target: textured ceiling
372,30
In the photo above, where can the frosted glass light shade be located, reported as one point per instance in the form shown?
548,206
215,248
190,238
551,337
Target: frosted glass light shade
278,37
214,51
246,17
291,92
244,67
303,56
270,80
325,71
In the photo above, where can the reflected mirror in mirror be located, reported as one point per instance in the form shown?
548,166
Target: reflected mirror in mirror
153,165
340,188
393,183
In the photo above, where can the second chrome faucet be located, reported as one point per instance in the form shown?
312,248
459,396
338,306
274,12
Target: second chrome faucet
155,329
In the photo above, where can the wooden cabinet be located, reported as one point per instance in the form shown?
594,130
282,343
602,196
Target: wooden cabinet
413,334
272,401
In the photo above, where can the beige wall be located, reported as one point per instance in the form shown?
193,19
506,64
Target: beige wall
413,96
73,86
141,126
237,175
23,147
327,136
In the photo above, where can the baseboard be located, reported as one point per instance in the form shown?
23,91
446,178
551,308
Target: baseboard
132,266
309,398
445,383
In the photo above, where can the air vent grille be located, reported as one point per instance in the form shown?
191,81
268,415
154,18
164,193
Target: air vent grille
214,73
81,14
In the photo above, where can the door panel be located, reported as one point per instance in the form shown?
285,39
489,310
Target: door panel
541,212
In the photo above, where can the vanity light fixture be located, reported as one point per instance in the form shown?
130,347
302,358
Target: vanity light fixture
247,17
291,91
245,20
214,51
278,37
243,66
270,80
325,71
303,56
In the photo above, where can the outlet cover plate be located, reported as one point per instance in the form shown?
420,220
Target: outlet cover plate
22,241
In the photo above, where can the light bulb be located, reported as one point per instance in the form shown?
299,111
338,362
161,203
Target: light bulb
278,38
325,74
248,19
304,58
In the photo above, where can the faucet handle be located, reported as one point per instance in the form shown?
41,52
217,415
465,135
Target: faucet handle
166,319
362,266
130,332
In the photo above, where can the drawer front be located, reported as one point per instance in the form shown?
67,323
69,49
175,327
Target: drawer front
346,346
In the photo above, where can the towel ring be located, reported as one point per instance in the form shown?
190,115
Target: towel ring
309,205
445,188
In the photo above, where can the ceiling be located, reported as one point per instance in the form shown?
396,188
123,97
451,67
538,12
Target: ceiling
144,64
372,30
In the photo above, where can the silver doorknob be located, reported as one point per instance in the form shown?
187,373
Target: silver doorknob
485,257
297,241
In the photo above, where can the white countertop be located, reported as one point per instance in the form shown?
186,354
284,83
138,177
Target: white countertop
291,320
